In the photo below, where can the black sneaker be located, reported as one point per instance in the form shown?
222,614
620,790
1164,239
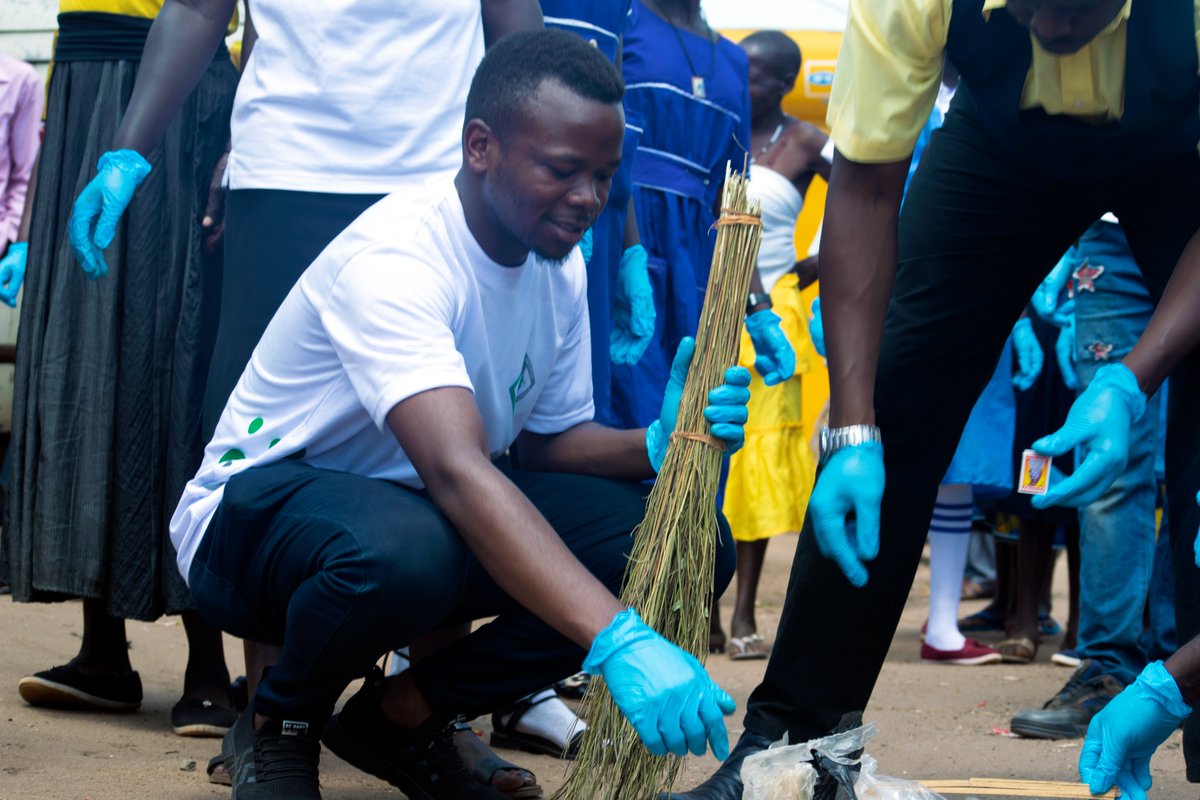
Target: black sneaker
423,763
1067,714
279,761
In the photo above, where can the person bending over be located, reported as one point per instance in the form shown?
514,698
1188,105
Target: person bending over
356,493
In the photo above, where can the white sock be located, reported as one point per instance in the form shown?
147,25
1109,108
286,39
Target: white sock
949,539
551,719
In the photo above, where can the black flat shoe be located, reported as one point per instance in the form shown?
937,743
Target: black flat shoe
192,716
67,688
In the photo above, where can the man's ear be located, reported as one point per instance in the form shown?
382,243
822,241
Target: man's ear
789,81
480,146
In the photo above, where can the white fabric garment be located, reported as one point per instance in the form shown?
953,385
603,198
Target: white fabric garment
781,204
401,302
354,96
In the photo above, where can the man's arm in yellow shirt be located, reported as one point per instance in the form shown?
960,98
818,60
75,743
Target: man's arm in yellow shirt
858,268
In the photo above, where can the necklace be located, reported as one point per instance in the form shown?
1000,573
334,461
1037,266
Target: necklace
774,138
698,87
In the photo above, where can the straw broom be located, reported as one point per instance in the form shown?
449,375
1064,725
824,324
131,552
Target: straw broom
670,574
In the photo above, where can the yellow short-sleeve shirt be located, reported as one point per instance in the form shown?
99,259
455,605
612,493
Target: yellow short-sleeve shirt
890,67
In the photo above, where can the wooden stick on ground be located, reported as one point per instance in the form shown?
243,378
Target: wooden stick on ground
1004,787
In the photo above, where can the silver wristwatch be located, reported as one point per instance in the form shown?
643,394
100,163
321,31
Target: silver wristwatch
834,439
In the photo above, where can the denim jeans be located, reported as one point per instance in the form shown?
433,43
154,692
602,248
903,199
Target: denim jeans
1117,544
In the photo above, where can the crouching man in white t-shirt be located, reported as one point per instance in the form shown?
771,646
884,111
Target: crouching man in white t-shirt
357,494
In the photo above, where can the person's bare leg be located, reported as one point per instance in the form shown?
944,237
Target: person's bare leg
206,676
750,557
259,657
104,650
1034,555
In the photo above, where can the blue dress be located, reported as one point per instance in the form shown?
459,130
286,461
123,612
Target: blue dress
601,22
677,176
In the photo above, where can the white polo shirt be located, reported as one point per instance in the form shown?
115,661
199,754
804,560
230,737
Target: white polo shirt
354,96
401,302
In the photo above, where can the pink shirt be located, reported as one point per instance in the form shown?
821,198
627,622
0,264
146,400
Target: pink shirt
20,118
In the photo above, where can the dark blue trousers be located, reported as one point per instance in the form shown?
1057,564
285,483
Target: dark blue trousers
338,569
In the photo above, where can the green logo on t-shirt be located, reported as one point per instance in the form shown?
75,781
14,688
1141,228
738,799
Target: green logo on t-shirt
523,384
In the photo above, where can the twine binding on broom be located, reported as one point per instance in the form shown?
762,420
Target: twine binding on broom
703,438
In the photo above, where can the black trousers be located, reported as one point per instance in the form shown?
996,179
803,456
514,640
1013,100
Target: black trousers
271,236
977,234
339,569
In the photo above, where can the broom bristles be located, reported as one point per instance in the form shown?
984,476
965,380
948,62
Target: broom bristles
670,574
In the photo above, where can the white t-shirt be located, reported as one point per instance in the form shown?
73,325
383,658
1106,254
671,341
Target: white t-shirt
403,301
354,96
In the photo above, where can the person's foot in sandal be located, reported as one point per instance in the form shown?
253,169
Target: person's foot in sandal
1018,650
746,648
539,723
423,762
490,769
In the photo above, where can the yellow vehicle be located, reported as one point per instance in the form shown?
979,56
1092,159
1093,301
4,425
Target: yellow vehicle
808,102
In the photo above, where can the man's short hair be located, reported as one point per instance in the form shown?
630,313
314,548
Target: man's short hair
515,68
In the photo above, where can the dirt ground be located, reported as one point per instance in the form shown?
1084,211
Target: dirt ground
935,721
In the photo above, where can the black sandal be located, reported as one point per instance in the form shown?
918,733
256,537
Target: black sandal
505,734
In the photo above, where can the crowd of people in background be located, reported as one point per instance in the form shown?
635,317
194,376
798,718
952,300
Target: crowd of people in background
341,360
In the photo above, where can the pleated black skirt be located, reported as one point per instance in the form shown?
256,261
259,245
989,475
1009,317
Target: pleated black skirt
110,373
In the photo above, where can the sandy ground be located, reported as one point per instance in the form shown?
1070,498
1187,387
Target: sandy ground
935,721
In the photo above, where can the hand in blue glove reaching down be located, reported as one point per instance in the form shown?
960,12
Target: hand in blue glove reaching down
852,480
1098,424
12,272
633,308
1127,731
1030,357
100,205
726,410
664,692
774,359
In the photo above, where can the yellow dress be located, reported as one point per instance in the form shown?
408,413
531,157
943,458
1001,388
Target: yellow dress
771,477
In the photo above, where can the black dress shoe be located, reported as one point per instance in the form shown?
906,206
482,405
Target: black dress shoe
726,782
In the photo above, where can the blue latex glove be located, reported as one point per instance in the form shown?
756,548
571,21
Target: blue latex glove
1196,545
1064,347
851,480
1029,355
726,410
816,328
1098,424
1127,731
1050,301
664,692
102,202
633,308
585,245
774,359
12,271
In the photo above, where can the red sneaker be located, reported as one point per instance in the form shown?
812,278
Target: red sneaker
971,654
